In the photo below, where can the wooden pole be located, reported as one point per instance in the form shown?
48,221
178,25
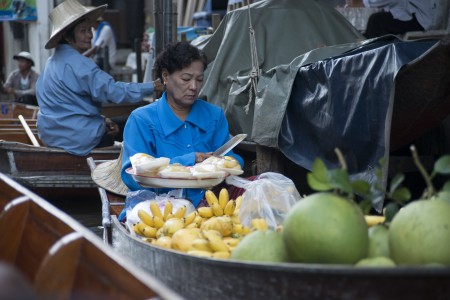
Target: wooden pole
28,131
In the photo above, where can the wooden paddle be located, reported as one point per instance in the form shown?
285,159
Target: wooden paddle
28,131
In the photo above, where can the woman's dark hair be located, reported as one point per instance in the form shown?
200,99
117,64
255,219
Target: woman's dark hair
178,56
69,33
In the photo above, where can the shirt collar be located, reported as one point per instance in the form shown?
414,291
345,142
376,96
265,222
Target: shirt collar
172,122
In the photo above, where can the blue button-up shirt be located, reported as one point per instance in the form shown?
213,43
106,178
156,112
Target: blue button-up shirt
70,93
154,129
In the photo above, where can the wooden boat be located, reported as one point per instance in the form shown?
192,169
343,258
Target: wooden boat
51,172
13,110
111,110
209,278
61,258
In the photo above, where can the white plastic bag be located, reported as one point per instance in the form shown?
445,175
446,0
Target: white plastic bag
270,196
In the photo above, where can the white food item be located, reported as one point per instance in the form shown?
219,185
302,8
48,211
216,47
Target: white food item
205,170
144,164
175,171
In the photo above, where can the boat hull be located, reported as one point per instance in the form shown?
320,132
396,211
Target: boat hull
49,171
205,278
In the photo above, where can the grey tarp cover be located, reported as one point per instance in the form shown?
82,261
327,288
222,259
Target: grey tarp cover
322,86
346,102
284,29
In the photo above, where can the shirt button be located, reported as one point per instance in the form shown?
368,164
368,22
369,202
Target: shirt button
189,146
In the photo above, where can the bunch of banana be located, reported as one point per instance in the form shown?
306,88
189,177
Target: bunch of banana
211,243
162,223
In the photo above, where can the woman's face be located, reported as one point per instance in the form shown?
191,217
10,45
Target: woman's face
183,86
82,36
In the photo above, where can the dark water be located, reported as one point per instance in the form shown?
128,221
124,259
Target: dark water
87,211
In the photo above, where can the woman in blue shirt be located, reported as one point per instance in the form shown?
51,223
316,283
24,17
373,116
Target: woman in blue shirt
179,125
72,88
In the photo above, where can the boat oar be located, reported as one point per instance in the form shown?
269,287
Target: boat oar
28,131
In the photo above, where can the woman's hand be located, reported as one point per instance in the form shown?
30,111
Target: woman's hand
111,127
158,86
201,156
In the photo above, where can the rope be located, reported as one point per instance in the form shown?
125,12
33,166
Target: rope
255,72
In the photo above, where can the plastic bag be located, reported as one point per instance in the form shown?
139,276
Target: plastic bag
142,198
270,196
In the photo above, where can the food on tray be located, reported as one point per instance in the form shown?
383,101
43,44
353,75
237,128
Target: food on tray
205,170
175,171
145,164
227,163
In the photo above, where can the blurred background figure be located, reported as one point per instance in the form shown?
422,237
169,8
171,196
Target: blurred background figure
22,81
398,16
103,37
13,284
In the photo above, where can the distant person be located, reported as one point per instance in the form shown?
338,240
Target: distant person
22,81
103,37
398,16
72,88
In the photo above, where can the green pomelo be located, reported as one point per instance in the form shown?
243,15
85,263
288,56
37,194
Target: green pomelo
378,241
264,246
378,261
420,233
326,228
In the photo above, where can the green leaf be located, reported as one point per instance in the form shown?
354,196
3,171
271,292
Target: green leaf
320,170
442,165
390,210
396,182
339,179
365,206
401,195
316,184
446,186
361,187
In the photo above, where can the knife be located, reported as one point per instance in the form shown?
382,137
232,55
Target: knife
229,145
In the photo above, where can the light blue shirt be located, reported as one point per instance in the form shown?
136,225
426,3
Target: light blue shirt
70,93
154,129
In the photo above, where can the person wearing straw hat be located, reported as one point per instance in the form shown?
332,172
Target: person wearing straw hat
179,125
72,88
22,81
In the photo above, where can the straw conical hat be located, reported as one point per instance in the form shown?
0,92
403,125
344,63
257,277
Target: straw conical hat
107,175
67,14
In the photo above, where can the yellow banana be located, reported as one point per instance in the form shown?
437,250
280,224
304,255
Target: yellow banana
190,218
158,222
192,225
169,216
246,230
217,210
235,218
211,198
238,228
238,202
224,197
205,212
221,254
279,229
200,253
156,212
229,208
167,210
172,225
374,220
201,244
149,232
231,241
136,229
215,242
145,217
229,162
141,226
164,241
180,212
259,224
